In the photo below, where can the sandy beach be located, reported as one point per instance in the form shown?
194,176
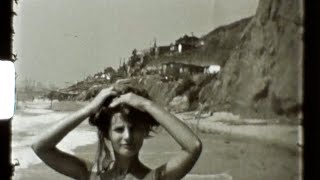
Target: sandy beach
246,150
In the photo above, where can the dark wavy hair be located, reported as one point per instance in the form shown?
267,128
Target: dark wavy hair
102,118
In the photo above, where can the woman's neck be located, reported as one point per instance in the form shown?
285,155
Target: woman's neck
126,164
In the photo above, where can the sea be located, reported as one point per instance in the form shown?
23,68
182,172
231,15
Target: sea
33,117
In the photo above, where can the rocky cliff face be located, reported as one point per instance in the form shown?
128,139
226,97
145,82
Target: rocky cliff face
263,74
221,42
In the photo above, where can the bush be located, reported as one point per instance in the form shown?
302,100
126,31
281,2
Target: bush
185,85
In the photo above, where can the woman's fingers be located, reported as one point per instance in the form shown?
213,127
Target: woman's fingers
130,99
123,99
116,101
99,100
105,93
112,93
108,91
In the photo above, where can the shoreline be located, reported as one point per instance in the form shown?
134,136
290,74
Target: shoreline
226,144
199,172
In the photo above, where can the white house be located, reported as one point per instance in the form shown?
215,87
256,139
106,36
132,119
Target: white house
212,69
180,48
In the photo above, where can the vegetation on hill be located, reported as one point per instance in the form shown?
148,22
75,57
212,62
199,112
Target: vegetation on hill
261,60
217,47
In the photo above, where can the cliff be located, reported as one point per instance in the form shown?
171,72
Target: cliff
264,74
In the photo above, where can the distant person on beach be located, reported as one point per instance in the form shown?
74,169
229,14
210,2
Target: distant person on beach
124,117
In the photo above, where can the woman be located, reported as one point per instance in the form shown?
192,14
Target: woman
124,117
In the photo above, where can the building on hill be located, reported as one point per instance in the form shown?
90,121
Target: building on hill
212,69
176,69
157,51
107,75
200,43
187,42
173,49
63,95
164,50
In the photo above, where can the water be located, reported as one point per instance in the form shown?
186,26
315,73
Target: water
33,120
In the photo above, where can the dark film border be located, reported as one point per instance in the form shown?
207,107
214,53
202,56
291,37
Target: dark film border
311,121
311,108
6,19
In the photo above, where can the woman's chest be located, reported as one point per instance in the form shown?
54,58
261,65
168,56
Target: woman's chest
107,176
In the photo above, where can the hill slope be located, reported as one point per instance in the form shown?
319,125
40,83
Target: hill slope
264,75
218,45
261,59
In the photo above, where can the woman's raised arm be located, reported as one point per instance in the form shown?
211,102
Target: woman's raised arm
45,145
180,165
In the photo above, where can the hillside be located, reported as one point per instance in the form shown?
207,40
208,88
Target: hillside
218,45
264,75
261,60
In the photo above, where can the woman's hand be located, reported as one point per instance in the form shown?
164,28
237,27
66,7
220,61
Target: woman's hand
99,100
45,145
130,99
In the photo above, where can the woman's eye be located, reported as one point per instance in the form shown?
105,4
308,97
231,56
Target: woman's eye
119,129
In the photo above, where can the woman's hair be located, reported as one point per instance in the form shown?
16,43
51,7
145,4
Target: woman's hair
102,118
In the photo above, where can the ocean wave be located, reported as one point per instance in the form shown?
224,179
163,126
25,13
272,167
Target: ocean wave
30,123
22,149
25,128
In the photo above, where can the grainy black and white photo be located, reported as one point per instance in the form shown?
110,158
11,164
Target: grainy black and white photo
154,90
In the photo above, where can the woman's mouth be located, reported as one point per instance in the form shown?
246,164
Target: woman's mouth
127,146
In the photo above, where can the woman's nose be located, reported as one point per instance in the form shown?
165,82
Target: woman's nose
127,134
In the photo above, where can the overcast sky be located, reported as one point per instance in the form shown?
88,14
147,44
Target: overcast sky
61,41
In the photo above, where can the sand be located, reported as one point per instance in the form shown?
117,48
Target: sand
247,150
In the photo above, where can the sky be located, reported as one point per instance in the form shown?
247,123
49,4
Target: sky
63,41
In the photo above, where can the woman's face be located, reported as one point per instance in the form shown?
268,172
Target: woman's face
126,137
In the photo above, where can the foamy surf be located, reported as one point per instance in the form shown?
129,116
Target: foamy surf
26,128
34,123
26,157
38,111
